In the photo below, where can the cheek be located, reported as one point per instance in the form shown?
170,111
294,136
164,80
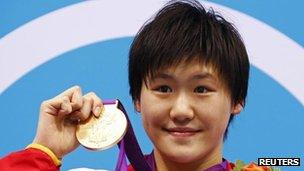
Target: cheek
151,117
153,113
151,123
146,120
215,116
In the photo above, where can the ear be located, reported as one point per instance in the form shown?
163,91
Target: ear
236,109
137,106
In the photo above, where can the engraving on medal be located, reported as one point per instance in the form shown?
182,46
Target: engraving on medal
102,132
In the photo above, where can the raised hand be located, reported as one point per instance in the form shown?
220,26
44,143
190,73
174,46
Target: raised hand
59,117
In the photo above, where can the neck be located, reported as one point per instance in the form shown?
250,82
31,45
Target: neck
164,163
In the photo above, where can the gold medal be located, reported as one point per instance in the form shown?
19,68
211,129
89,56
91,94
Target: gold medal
105,131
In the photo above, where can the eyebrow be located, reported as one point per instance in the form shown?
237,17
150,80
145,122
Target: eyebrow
163,75
203,76
199,76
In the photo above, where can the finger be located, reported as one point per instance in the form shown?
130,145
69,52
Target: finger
57,106
97,104
85,110
77,100
66,107
75,95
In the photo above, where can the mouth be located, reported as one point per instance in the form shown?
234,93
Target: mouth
181,131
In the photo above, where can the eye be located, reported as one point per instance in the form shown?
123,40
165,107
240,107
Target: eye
200,89
163,89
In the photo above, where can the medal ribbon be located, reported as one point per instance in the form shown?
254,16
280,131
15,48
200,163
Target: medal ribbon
129,146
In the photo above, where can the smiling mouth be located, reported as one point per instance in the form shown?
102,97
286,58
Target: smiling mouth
181,131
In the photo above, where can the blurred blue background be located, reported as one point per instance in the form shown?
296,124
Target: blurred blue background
270,126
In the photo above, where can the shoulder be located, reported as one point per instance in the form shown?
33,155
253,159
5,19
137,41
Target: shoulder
86,169
130,168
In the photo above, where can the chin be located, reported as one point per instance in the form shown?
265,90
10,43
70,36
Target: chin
183,155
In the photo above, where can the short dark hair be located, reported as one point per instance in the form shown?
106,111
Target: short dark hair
184,31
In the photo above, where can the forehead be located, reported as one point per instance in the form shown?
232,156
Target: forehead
187,69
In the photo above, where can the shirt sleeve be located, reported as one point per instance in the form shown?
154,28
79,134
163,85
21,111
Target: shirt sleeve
30,159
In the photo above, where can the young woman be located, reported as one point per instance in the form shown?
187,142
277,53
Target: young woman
188,76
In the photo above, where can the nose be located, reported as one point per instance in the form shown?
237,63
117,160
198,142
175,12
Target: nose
182,111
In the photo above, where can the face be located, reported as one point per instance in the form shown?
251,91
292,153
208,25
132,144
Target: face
185,111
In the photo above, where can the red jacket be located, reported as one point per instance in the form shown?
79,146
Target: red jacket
33,159
30,159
